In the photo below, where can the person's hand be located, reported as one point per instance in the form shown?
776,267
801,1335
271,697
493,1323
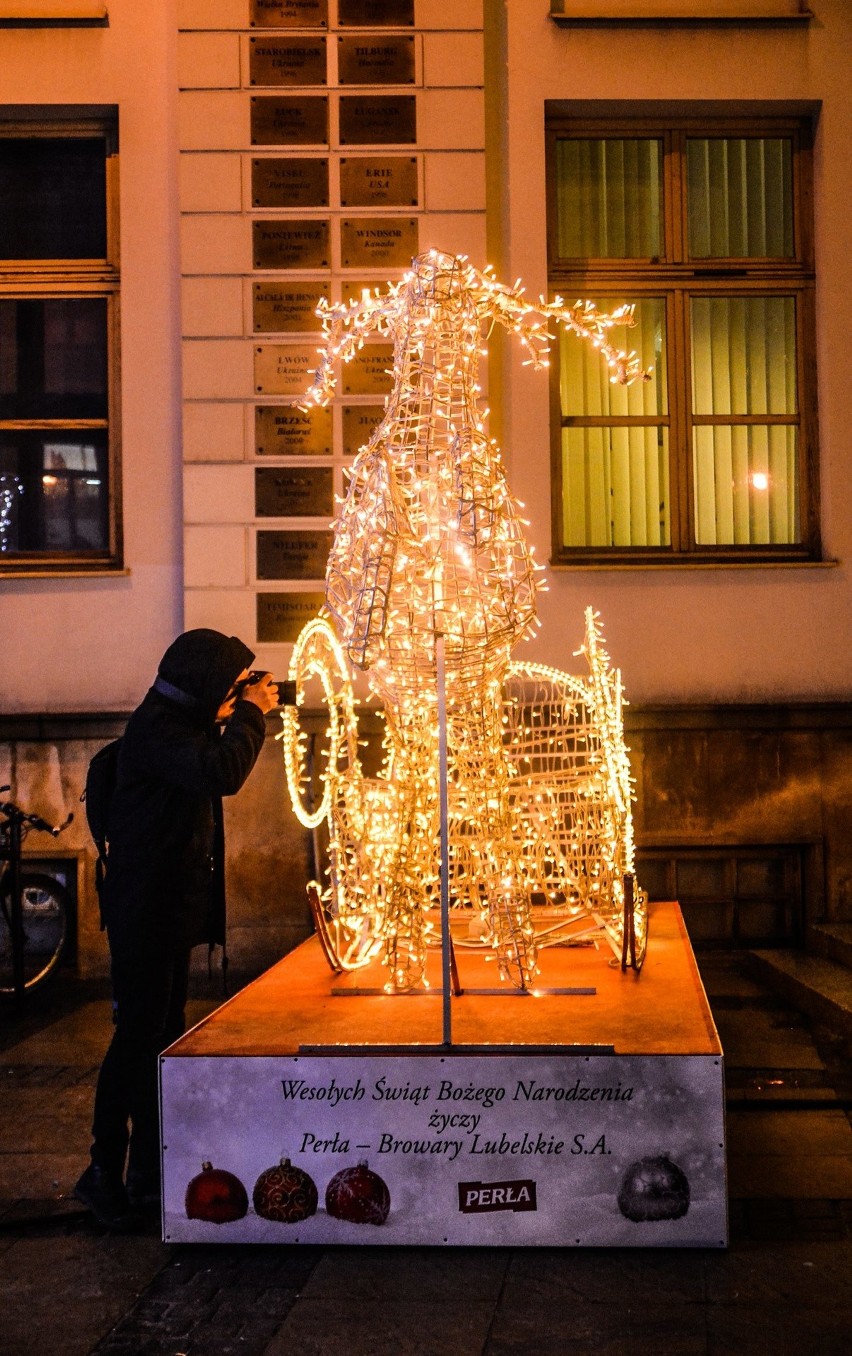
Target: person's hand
264,693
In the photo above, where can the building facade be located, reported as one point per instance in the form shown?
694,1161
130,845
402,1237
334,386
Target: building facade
232,160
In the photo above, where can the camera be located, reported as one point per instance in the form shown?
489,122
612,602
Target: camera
286,688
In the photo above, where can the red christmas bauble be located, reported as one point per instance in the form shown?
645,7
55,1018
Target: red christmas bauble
285,1193
654,1189
358,1195
216,1196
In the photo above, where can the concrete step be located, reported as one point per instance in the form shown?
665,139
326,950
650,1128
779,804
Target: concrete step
832,941
817,986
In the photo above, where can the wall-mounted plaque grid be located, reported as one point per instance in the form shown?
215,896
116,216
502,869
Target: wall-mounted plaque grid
324,144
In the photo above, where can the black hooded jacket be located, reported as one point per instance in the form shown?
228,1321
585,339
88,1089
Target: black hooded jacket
165,878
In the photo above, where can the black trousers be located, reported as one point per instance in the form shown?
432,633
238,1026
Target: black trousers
149,980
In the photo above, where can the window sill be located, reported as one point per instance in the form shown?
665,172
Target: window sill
8,572
683,563
575,13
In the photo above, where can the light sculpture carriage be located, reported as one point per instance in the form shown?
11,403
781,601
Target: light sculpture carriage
519,770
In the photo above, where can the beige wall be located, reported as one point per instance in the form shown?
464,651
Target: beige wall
93,644
686,635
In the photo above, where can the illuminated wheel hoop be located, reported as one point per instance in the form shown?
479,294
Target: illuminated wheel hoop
318,654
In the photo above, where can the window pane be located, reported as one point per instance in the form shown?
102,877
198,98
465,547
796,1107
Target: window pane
609,198
743,355
615,487
54,490
53,358
746,485
740,197
584,384
52,198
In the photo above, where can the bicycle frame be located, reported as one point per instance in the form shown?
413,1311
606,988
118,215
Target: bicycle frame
12,833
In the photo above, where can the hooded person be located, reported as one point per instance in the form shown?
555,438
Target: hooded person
194,738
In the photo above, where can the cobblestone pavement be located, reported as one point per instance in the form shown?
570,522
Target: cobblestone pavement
783,1287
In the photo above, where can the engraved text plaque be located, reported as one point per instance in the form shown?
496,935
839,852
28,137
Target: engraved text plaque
378,181
289,13
292,182
375,61
371,372
359,422
293,492
375,13
287,61
284,307
289,120
292,555
377,242
378,119
283,369
281,616
284,431
290,244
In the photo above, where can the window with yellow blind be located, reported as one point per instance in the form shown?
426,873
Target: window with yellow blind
704,226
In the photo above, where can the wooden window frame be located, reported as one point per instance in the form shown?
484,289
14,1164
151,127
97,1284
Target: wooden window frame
42,279
676,278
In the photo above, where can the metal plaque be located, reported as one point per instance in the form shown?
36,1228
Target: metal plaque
287,61
289,120
375,13
378,181
291,182
284,431
290,244
359,423
289,13
293,492
281,616
378,119
283,369
371,372
292,555
284,307
375,60
377,242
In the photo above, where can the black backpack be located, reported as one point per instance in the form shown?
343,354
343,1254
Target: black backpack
101,778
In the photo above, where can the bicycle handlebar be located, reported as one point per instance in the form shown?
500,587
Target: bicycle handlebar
14,812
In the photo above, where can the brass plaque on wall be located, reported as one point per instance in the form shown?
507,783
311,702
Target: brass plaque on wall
375,61
289,120
375,13
374,181
289,13
281,616
378,119
283,369
371,372
359,423
290,244
287,61
284,306
290,182
292,555
293,492
377,242
284,431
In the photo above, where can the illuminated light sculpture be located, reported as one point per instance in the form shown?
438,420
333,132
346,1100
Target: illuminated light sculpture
430,582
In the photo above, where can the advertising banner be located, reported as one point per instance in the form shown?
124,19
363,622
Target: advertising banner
504,1150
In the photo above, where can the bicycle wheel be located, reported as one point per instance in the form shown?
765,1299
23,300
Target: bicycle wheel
45,914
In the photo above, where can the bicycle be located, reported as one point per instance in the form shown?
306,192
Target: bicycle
35,909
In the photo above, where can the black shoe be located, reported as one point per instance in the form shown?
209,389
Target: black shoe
103,1192
143,1188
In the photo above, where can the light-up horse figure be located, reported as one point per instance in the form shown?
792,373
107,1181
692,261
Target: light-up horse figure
430,570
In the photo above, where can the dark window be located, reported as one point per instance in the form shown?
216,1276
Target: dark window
59,477
703,227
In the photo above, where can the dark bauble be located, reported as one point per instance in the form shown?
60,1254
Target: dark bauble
216,1196
285,1194
358,1195
653,1189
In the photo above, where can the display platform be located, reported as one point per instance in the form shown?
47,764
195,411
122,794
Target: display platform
587,1113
